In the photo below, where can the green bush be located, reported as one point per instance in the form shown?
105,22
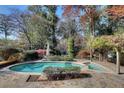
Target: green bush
71,47
31,55
55,58
67,58
99,43
60,70
59,73
59,58
55,52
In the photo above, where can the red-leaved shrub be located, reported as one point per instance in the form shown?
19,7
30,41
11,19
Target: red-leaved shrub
41,51
83,54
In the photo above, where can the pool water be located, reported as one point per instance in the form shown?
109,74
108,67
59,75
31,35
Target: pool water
38,67
96,67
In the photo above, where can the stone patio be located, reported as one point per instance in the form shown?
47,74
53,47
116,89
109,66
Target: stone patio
97,80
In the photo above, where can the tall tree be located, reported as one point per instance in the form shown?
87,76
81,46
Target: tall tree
5,25
116,14
69,28
40,26
87,14
20,23
49,15
105,24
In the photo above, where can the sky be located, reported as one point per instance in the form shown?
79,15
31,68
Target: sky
5,9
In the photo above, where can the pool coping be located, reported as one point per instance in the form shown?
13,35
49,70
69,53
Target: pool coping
39,61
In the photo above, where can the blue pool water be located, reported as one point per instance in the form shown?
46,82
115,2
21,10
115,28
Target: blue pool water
38,67
96,67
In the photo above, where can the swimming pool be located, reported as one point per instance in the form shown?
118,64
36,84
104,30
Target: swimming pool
38,67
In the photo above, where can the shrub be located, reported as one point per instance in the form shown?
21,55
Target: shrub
60,58
31,55
60,70
59,73
7,52
55,58
1,58
41,52
16,57
67,58
73,69
55,52
83,54
71,47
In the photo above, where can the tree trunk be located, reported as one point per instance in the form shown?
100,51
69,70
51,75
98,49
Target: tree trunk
48,49
90,54
5,34
29,41
28,38
117,61
100,57
92,32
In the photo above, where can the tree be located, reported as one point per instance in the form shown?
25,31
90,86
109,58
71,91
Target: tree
116,14
40,31
87,14
115,42
49,15
68,28
100,45
21,21
105,25
5,25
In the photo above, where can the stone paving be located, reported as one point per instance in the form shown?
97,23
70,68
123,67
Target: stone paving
111,66
97,80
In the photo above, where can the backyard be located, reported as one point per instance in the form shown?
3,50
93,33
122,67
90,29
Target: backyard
57,46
